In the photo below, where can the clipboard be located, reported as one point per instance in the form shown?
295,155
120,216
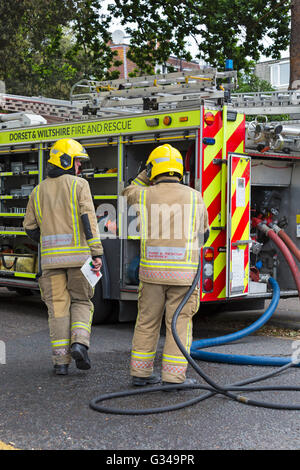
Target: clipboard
90,275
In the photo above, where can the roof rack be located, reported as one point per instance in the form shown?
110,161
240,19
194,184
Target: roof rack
273,102
152,92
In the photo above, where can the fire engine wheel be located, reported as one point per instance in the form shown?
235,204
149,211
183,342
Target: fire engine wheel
103,308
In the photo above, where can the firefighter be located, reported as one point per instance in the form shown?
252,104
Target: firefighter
173,226
60,215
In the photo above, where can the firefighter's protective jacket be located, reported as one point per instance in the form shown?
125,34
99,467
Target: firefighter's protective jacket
173,220
60,215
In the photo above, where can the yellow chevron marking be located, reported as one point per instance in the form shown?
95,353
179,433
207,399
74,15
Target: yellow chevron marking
211,151
246,234
212,190
213,233
222,294
219,264
240,148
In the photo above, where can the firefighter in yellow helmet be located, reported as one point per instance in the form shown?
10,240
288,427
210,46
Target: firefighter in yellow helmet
60,215
173,227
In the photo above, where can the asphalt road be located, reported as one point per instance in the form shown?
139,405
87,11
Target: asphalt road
41,411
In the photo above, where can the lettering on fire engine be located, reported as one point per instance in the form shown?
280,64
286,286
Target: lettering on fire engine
72,130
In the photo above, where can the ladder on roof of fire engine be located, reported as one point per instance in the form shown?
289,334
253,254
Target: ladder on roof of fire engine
273,102
152,92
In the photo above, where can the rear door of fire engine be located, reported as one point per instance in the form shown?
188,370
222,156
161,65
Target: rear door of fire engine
238,225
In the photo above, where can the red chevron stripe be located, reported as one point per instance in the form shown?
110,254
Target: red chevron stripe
220,240
220,282
214,208
210,173
234,163
237,137
242,225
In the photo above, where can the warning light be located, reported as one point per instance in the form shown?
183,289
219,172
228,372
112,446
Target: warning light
208,285
209,254
209,118
183,119
209,141
167,120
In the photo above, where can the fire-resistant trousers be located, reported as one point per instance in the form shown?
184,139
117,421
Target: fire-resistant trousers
67,295
154,300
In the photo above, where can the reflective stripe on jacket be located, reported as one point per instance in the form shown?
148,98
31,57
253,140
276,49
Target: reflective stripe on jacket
173,218
62,209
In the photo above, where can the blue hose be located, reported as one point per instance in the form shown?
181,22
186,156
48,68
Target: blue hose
242,359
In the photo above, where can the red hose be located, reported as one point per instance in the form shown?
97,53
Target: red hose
289,243
286,253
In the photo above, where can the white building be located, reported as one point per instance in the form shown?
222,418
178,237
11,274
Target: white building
276,72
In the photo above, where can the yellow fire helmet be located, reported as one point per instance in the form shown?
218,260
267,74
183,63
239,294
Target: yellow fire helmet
164,159
63,152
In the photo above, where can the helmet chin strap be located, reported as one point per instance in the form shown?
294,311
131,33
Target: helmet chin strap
55,171
149,170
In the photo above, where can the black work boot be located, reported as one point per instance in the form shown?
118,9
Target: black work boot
142,381
61,369
80,355
186,382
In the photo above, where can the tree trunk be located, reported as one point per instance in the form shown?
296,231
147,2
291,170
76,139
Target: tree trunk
295,46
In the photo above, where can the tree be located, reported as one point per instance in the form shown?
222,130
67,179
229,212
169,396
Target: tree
295,46
222,29
47,46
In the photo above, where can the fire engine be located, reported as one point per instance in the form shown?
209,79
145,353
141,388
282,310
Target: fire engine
248,173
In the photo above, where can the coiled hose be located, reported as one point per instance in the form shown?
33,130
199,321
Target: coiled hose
212,388
197,346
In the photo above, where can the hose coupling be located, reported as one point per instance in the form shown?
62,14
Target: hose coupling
274,227
264,278
264,228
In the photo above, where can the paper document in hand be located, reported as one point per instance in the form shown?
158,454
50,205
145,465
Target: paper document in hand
90,275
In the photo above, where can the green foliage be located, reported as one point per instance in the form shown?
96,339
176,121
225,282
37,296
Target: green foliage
249,82
47,46
222,29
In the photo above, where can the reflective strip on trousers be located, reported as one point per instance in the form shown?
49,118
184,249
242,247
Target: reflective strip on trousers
142,360
60,347
82,328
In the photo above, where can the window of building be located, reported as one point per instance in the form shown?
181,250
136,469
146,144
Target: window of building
280,74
